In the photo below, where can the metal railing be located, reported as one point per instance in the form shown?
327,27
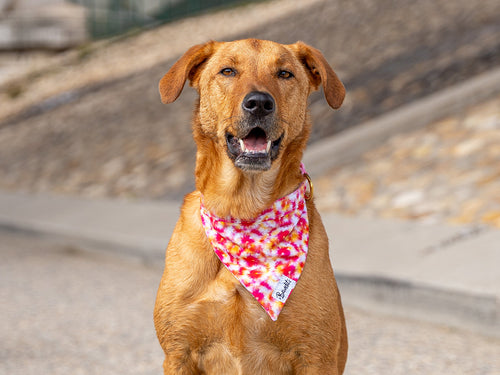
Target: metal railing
112,17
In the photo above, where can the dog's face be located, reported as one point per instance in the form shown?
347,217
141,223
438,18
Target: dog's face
253,95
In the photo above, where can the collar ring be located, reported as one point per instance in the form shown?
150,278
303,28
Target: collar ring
309,195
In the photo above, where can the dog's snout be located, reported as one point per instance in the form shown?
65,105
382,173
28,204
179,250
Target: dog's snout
258,104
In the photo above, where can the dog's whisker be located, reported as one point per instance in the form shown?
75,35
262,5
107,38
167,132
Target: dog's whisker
229,119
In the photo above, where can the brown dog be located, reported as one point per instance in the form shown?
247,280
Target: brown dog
251,126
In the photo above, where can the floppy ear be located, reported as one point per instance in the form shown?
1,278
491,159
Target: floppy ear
321,72
186,67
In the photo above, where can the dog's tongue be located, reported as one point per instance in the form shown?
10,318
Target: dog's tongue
255,143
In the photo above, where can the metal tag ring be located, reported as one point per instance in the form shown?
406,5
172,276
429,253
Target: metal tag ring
311,187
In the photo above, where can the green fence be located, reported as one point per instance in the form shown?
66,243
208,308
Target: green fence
113,17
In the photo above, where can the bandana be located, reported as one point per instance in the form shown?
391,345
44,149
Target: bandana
266,254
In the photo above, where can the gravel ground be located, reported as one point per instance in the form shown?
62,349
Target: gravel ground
67,311
90,122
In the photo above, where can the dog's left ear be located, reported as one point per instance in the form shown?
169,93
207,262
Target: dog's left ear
321,72
185,68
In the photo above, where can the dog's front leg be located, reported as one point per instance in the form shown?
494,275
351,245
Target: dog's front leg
214,360
317,370
176,365
218,360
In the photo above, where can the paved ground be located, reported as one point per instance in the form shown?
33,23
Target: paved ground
66,311
70,312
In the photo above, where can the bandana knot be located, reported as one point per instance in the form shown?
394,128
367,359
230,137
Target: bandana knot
266,254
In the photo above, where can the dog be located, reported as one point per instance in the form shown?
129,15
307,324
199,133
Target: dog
248,287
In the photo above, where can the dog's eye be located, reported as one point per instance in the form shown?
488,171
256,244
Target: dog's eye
228,72
285,74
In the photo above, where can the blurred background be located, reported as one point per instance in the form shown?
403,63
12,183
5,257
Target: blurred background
81,119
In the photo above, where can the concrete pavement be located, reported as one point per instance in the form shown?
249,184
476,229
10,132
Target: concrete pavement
66,311
440,273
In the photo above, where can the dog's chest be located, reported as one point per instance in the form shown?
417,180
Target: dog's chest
226,296
232,322
237,334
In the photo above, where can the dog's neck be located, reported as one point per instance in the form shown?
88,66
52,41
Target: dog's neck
231,192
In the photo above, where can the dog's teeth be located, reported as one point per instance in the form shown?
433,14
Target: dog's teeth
268,146
242,145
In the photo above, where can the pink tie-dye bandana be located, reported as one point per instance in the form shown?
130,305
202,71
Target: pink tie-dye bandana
266,254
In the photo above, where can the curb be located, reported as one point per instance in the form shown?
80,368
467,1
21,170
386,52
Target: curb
456,309
139,230
348,145
436,273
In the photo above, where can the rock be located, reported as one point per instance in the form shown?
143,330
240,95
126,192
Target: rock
492,217
407,198
468,147
113,168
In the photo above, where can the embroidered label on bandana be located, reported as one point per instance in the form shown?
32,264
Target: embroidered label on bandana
266,254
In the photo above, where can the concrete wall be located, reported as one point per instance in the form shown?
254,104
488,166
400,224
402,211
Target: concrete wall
47,24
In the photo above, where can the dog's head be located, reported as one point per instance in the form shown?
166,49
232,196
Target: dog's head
253,95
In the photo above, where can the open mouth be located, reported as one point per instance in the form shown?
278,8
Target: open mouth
253,152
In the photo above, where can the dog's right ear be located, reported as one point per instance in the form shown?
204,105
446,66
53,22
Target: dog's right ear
185,68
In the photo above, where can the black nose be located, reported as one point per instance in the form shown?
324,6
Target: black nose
258,104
